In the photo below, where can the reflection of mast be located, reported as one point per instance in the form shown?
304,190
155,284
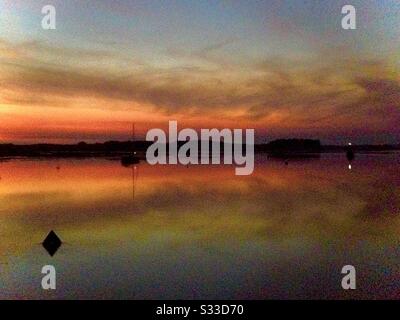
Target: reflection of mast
134,167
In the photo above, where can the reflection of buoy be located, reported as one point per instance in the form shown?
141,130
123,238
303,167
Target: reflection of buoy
349,166
286,162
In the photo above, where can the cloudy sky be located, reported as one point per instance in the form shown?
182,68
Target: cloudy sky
285,68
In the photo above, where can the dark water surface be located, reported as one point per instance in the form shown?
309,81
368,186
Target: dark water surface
172,232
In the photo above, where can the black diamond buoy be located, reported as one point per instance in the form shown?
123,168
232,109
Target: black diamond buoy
52,243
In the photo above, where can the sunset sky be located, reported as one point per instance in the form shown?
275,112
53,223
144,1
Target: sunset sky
285,68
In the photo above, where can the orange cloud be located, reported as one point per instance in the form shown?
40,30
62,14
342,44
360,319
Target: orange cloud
91,95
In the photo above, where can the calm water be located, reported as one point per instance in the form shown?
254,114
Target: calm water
171,232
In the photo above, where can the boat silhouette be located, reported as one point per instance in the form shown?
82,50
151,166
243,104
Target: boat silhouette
350,153
129,160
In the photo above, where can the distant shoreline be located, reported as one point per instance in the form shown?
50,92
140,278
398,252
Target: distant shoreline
116,149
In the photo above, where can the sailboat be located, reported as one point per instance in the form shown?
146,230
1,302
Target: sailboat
132,158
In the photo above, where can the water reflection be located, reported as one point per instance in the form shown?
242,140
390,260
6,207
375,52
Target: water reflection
200,231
